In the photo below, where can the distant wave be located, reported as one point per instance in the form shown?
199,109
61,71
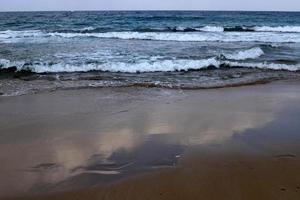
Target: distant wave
104,32
9,34
190,37
40,36
287,29
211,29
283,29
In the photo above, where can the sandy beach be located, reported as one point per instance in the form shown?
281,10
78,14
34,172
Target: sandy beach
151,143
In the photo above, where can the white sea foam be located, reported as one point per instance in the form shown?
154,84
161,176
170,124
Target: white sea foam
89,28
179,28
253,53
4,63
10,36
142,66
288,29
150,65
265,65
192,37
211,29
20,34
270,37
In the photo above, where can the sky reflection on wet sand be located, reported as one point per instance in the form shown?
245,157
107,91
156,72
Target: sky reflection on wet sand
73,139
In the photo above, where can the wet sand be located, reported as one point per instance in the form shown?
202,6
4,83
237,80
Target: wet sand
137,143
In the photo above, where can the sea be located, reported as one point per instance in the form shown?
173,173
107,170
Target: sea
168,49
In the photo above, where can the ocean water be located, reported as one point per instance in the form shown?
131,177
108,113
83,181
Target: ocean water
174,49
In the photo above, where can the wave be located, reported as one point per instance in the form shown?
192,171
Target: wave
264,65
147,66
225,29
191,37
9,34
104,32
4,63
282,29
253,53
211,29
238,29
40,36
167,29
142,66
287,29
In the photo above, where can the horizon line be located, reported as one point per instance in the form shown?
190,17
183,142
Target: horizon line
145,10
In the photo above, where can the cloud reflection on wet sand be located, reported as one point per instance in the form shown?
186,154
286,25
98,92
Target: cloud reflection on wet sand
49,140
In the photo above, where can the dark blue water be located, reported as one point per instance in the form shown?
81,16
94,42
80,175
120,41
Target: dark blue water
157,48
102,21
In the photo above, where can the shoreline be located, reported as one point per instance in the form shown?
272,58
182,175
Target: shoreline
44,83
229,143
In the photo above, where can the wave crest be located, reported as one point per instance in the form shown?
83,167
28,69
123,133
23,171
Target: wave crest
150,66
184,37
40,36
190,37
282,29
286,29
253,53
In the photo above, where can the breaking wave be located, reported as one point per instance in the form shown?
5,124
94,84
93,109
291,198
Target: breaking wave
190,37
287,29
284,29
253,53
36,36
142,66
155,65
